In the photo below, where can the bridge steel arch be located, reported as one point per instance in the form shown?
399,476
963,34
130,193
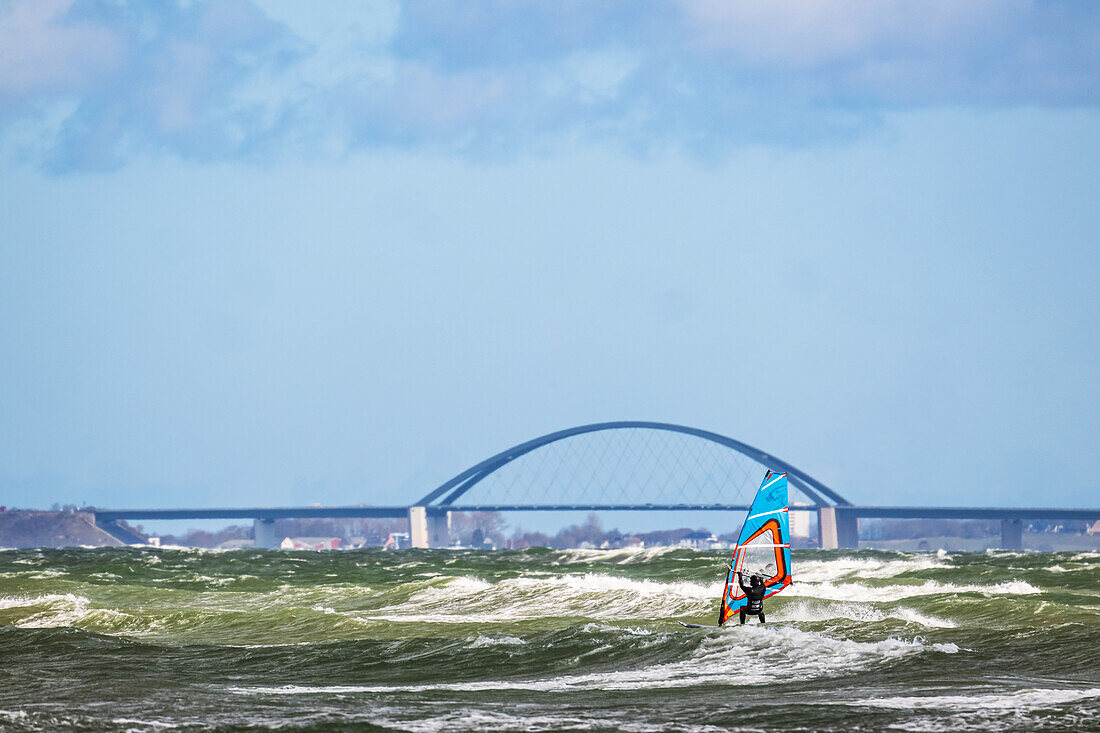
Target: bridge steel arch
451,490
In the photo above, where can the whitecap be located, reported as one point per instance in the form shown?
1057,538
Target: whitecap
622,556
44,574
862,592
483,641
467,719
807,611
468,599
148,723
821,571
751,656
1032,698
43,600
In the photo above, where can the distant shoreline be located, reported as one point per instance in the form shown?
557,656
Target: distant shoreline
21,528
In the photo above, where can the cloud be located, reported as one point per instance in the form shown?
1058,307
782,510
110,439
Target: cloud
901,52
132,78
40,55
91,85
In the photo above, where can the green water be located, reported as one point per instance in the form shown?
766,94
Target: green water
151,640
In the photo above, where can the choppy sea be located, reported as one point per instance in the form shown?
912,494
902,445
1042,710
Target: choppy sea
195,640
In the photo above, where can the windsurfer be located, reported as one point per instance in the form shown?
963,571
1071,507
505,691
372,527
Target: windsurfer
754,596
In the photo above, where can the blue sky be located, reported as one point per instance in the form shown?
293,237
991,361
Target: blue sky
270,253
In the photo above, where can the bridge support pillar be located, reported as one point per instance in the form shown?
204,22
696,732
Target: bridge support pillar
263,533
838,529
1012,534
429,527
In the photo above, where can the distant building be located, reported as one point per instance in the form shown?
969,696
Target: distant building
618,542
310,543
699,540
397,541
799,522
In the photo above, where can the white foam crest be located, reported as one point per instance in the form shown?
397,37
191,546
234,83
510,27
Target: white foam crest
468,599
188,549
1032,698
624,630
49,599
1001,554
467,719
67,610
285,596
44,574
232,579
823,571
622,556
862,592
483,641
53,610
804,611
155,724
913,616
750,656
1077,569
1086,556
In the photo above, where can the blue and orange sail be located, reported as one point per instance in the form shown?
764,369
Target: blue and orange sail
763,547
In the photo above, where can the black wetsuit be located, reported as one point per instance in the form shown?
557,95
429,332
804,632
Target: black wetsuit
754,596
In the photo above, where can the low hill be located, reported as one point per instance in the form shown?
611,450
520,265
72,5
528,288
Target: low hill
51,529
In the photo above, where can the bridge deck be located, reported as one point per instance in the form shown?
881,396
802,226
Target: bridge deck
402,512
287,512
956,512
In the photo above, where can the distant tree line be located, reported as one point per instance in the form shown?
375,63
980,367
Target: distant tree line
477,529
467,529
362,530
915,529
592,533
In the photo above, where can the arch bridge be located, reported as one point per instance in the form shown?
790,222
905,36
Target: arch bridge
668,468
732,484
